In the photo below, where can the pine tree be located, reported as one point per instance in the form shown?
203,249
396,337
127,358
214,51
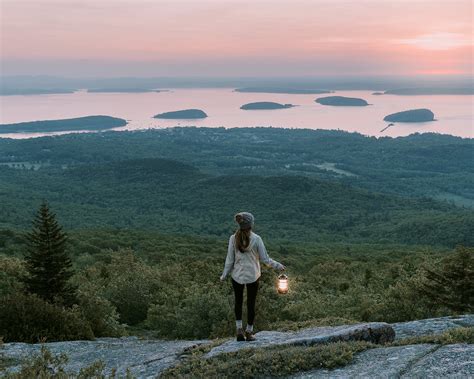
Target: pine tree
48,264
452,285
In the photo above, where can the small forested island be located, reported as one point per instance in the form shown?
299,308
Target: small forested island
377,93
122,90
79,123
293,91
342,101
412,115
34,91
261,105
431,91
182,114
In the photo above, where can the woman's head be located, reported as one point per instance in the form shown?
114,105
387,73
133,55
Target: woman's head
242,235
245,220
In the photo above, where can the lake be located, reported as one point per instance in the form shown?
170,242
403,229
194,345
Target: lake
454,113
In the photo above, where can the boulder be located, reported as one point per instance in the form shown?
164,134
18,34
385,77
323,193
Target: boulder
376,332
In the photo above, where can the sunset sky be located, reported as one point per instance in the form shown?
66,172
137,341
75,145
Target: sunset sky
236,38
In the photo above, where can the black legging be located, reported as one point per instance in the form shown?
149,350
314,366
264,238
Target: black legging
252,289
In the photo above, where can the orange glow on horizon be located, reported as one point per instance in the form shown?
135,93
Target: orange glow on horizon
305,37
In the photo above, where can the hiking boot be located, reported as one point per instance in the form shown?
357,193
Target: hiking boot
240,335
249,336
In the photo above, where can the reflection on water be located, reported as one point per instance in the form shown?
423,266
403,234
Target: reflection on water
454,114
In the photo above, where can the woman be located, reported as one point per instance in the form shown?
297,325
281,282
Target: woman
246,250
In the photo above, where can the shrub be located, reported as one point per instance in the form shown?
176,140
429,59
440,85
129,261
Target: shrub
27,318
45,365
449,337
202,312
451,283
99,313
11,272
403,302
129,286
267,362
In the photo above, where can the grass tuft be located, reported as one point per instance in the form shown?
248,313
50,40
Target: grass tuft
275,361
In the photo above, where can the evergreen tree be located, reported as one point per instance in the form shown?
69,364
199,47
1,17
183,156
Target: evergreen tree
452,285
48,264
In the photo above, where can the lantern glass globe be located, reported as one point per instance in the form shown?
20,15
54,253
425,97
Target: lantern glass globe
282,284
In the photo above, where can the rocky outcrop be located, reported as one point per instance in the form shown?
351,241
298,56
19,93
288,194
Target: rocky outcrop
377,332
148,358
444,362
411,361
144,358
431,326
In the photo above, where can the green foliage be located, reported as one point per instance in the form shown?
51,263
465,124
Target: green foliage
12,270
267,362
451,336
126,282
47,262
43,366
286,326
200,312
99,312
28,318
172,282
403,302
451,283
46,365
184,180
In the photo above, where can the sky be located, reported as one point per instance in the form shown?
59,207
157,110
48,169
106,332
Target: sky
230,38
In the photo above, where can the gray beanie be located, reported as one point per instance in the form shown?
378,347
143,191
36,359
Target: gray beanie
245,220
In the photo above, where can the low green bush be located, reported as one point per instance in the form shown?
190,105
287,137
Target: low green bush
28,318
99,312
46,365
450,336
128,284
267,362
11,271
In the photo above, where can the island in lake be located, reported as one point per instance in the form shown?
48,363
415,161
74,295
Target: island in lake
342,101
122,90
377,93
35,91
431,91
412,115
182,114
293,91
261,105
79,123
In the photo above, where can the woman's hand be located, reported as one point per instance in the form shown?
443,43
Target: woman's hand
282,268
222,278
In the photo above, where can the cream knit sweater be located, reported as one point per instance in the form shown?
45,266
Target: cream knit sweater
245,267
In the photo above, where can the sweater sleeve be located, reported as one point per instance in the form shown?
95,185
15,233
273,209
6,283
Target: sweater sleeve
264,257
229,261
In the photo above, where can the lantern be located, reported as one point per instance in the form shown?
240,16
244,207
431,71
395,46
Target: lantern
282,284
